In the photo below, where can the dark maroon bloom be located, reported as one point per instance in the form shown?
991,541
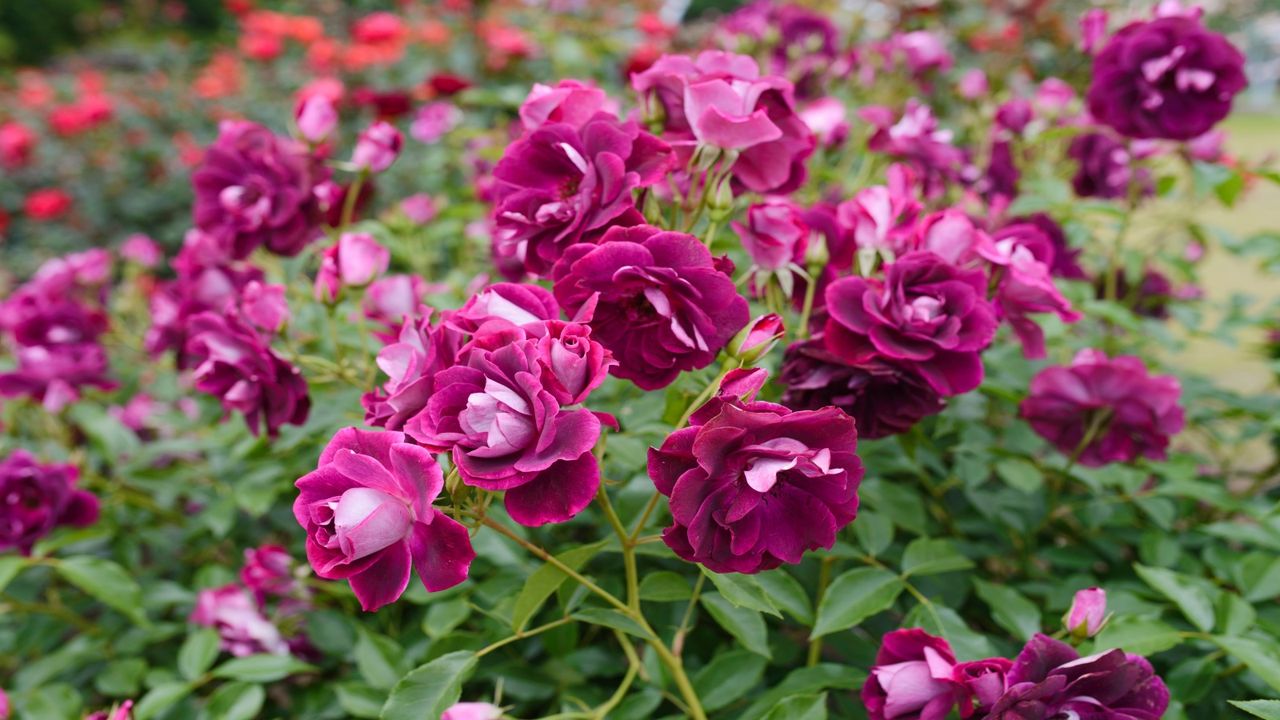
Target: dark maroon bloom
1113,403
561,185
983,683
35,498
1149,298
883,396
506,431
386,104
1002,172
925,312
1014,115
662,304
912,678
53,374
256,188
234,363
756,485
1168,78
1049,680
1106,169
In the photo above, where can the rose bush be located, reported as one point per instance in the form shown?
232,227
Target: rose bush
494,362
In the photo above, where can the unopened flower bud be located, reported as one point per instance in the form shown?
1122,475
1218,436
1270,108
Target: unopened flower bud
720,202
316,118
756,339
1088,613
377,147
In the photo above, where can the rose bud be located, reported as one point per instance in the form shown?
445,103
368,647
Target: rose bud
316,118
756,340
377,147
472,711
1088,613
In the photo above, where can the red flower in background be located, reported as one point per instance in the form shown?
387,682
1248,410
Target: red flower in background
16,143
46,204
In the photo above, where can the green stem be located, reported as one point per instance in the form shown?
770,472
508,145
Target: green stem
811,287
628,548
824,579
349,201
677,640
520,635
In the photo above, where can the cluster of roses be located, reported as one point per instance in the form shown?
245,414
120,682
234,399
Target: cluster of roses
53,326
916,677
36,497
263,612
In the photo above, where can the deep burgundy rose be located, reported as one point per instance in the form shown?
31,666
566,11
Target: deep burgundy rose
1025,283
1149,298
1122,411
1049,679
256,188
925,312
756,485
1105,168
915,138
662,305
506,431
883,396
911,678
268,571
38,497
242,628
1002,174
983,683
54,374
1063,260
234,363
721,100
774,235
367,511
1168,78
562,184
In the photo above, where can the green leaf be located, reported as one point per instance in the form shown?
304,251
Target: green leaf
1020,475
874,532
261,668
728,677
1010,609
743,591
546,580
803,681
1140,636
853,597
160,698
445,616
377,659
107,582
236,701
1189,596
608,617
10,566
665,586
787,594
429,690
198,652
927,556
121,678
1265,709
1262,660
360,700
1235,615
745,624
800,707
945,622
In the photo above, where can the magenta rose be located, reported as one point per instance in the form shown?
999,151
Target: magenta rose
774,235
256,188
883,396
1025,283
1123,412
721,100
54,375
912,678
39,497
241,626
562,184
369,520
915,138
1049,679
661,304
756,485
571,102
507,431
268,570
1105,168
925,312
1168,78
234,363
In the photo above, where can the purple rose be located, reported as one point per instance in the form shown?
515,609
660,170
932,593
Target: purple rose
268,570
1105,168
1087,614
662,305
1063,259
377,147
1113,403
912,678
240,624
1050,679
916,139
756,485
354,261
1168,78
774,236
720,99
925,312
572,363
391,299
369,520
435,120
571,102
315,117
507,431
37,498
1025,284
265,305
255,188
884,397
983,683
561,185
232,362
53,375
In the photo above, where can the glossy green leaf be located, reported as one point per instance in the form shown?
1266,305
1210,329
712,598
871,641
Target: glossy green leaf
853,597
745,624
429,690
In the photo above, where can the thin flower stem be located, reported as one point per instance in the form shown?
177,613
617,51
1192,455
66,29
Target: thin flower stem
811,288
349,200
628,548
644,515
524,634
677,640
824,579
552,560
